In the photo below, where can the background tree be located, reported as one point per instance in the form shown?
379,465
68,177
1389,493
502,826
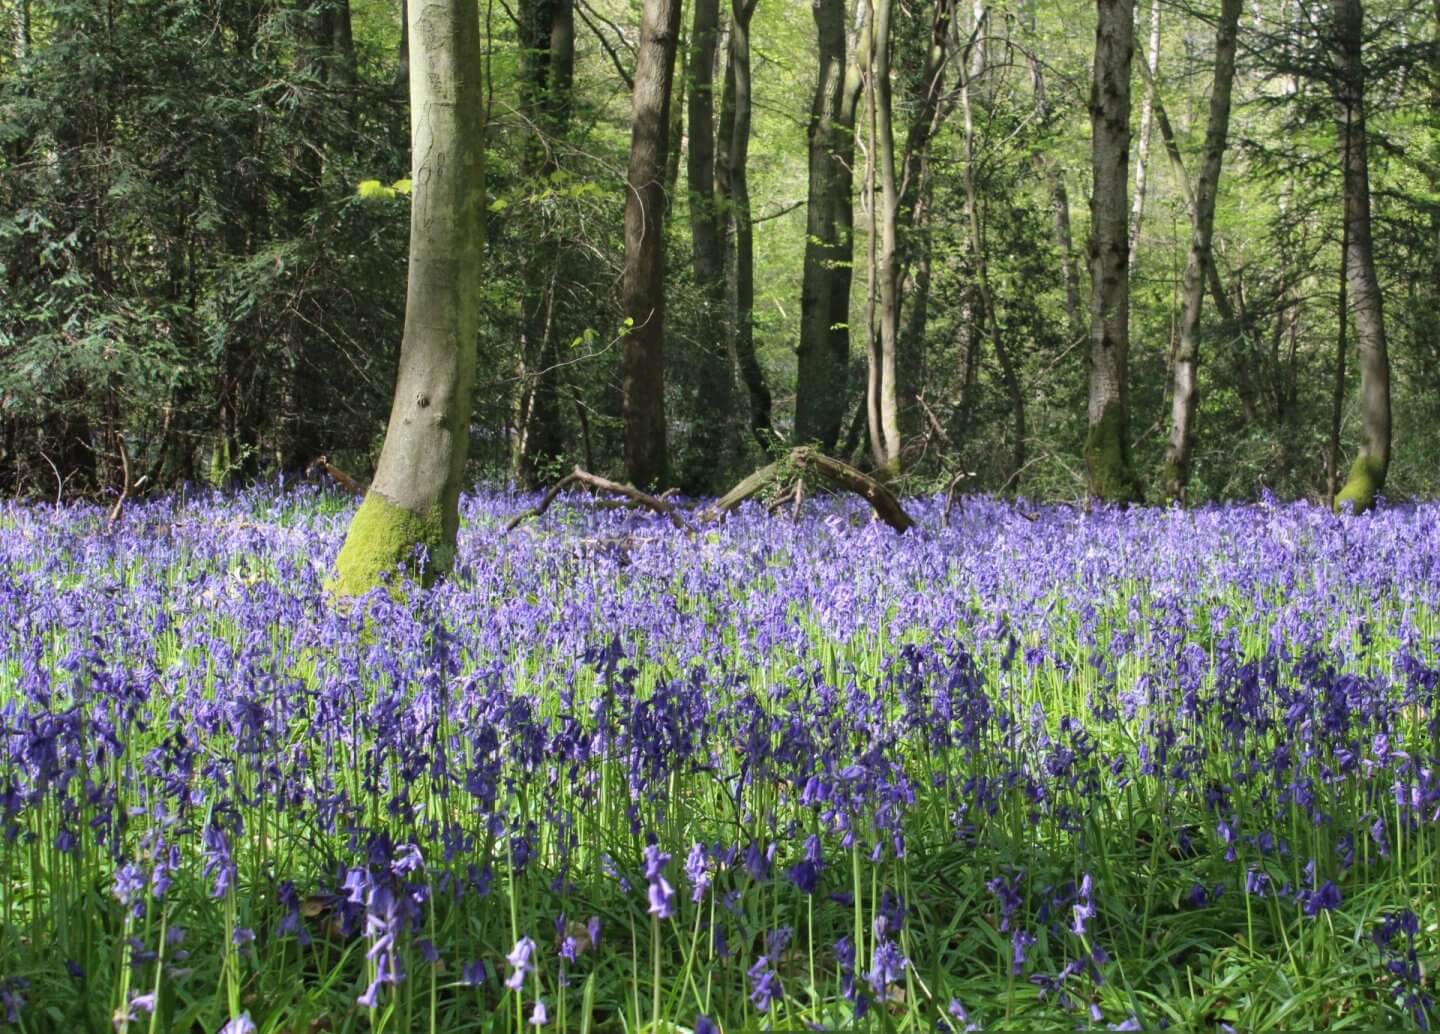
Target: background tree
644,285
1107,445
1367,475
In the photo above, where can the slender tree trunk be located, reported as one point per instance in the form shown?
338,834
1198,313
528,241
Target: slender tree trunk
1185,397
824,350
750,372
643,366
1367,474
886,440
547,79
1142,151
1008,372
1107,445
713,381
413,501
402,50
1065,246
930,103
1337,395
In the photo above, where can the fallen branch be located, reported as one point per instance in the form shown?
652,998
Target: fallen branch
348,484
596,483
805,459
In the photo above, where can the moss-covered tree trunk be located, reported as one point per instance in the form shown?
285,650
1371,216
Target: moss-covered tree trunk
643,405
824,353
1367,475
1107,445
412,505
1186,394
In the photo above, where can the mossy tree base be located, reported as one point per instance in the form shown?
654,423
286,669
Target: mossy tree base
1367,478
1107,458
384,540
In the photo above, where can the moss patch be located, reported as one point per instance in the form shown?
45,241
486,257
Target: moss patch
384,536
1107,458
1367,478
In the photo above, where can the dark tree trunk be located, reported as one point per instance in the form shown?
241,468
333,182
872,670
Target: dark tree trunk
643,366
824,351
713,401
1367,474
547,82
739,179
1107,445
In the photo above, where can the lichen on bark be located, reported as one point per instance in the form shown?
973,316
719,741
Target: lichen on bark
1367,478
386,541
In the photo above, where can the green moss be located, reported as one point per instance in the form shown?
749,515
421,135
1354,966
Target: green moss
384,536
1107,457
1367,478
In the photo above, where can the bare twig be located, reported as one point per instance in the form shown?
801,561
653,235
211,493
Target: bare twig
119,506
59,481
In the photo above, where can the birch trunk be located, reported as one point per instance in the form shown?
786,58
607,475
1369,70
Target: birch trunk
643,365
412,504
1185,397
1107,445
1142,151
1367,474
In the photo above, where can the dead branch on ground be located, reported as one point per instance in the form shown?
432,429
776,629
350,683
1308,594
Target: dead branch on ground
804,460
596,483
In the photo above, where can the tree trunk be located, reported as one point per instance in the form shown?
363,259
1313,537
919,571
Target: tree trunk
991,321
1367,474
1142,153
824,350
413,500
643,366
1107,445
750,372
1186,389
713,380
930,103
886,441
547,79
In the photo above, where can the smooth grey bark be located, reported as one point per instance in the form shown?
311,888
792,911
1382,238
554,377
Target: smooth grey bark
643,292
824,348
1107,445
739,210
1367,474
1185,395
886,439
413,500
